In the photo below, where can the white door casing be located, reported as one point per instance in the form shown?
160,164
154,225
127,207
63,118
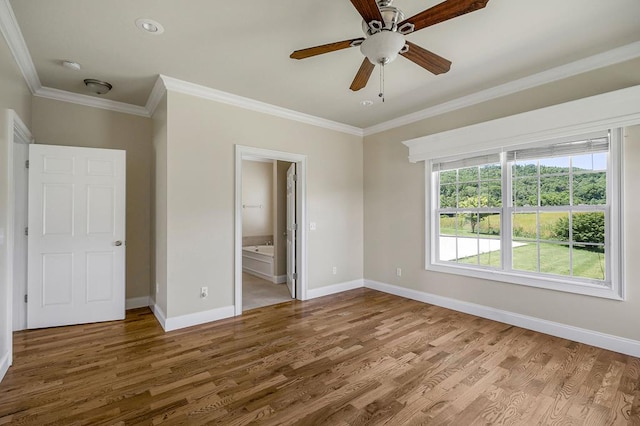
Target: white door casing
291,229
76,246
21,184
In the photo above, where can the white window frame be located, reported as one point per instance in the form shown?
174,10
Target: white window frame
612,288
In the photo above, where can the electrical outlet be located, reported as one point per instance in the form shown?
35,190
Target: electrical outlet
398,272
204,292
335,270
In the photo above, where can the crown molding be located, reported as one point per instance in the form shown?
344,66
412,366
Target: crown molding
251,104
90,101
12,34
601,60
155,96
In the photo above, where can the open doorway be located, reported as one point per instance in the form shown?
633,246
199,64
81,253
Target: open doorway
270,254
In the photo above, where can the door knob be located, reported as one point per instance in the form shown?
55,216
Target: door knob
118,243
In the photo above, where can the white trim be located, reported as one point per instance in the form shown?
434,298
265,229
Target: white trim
14,127
91,101
313,293
241,153
600,112
197,318
204,92
279,279
258,273
582,335
18,47
155,96
4,365
159,314
137,302
601,60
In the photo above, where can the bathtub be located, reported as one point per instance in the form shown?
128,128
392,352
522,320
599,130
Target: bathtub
258,261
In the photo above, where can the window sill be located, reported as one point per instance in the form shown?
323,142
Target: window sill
528,280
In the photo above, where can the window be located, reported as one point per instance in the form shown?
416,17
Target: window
545,215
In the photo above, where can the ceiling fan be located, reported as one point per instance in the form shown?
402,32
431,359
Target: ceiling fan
385,29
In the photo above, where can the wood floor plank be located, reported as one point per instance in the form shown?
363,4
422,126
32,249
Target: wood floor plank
356,358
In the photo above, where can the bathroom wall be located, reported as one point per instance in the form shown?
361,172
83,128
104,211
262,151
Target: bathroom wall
257,202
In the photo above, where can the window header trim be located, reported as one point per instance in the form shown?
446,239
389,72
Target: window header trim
592,114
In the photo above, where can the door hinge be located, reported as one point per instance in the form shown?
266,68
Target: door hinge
294,227
26,231
26,164
295,178
295,275
26,298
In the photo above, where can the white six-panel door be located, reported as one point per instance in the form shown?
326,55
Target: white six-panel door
76,246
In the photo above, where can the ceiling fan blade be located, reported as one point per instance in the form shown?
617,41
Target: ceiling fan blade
362,77
368,9
427,60
325,48
442,12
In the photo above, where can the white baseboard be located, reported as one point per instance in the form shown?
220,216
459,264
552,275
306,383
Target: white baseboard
4,365
137,302
279,279
160,316
188,320
312,293
582,335
257,273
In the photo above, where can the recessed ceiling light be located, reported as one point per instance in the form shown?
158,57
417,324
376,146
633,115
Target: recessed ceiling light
150,26
71,65
96,86
366,103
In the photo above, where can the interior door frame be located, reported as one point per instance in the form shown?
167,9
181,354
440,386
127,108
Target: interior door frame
17,132
250,153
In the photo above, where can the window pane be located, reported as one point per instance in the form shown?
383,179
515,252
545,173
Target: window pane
554,165
590,188
491,194
525,256
447,248
469,174
525,192
491,171
589,264
448,196
525,226
468,195
590,162
448,176
489,226
448,224
490,252
525,168
554,226
588,228
554,191
468,250
468,223
554,259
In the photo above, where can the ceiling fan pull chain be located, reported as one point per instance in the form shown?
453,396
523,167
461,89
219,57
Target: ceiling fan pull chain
381,94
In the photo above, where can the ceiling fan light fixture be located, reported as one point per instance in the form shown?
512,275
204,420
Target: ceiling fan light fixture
382,47
97,87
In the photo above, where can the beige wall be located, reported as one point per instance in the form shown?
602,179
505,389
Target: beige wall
395,216
257,190
63,123
159,207
200,197
14,94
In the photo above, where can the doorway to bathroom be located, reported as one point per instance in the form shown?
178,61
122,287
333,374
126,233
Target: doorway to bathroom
270,254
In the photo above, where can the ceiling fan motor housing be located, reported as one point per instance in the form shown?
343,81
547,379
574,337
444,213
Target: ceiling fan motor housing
391,16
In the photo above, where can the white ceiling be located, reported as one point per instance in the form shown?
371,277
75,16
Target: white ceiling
243,46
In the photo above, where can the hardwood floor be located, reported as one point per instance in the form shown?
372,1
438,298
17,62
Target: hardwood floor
356,358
